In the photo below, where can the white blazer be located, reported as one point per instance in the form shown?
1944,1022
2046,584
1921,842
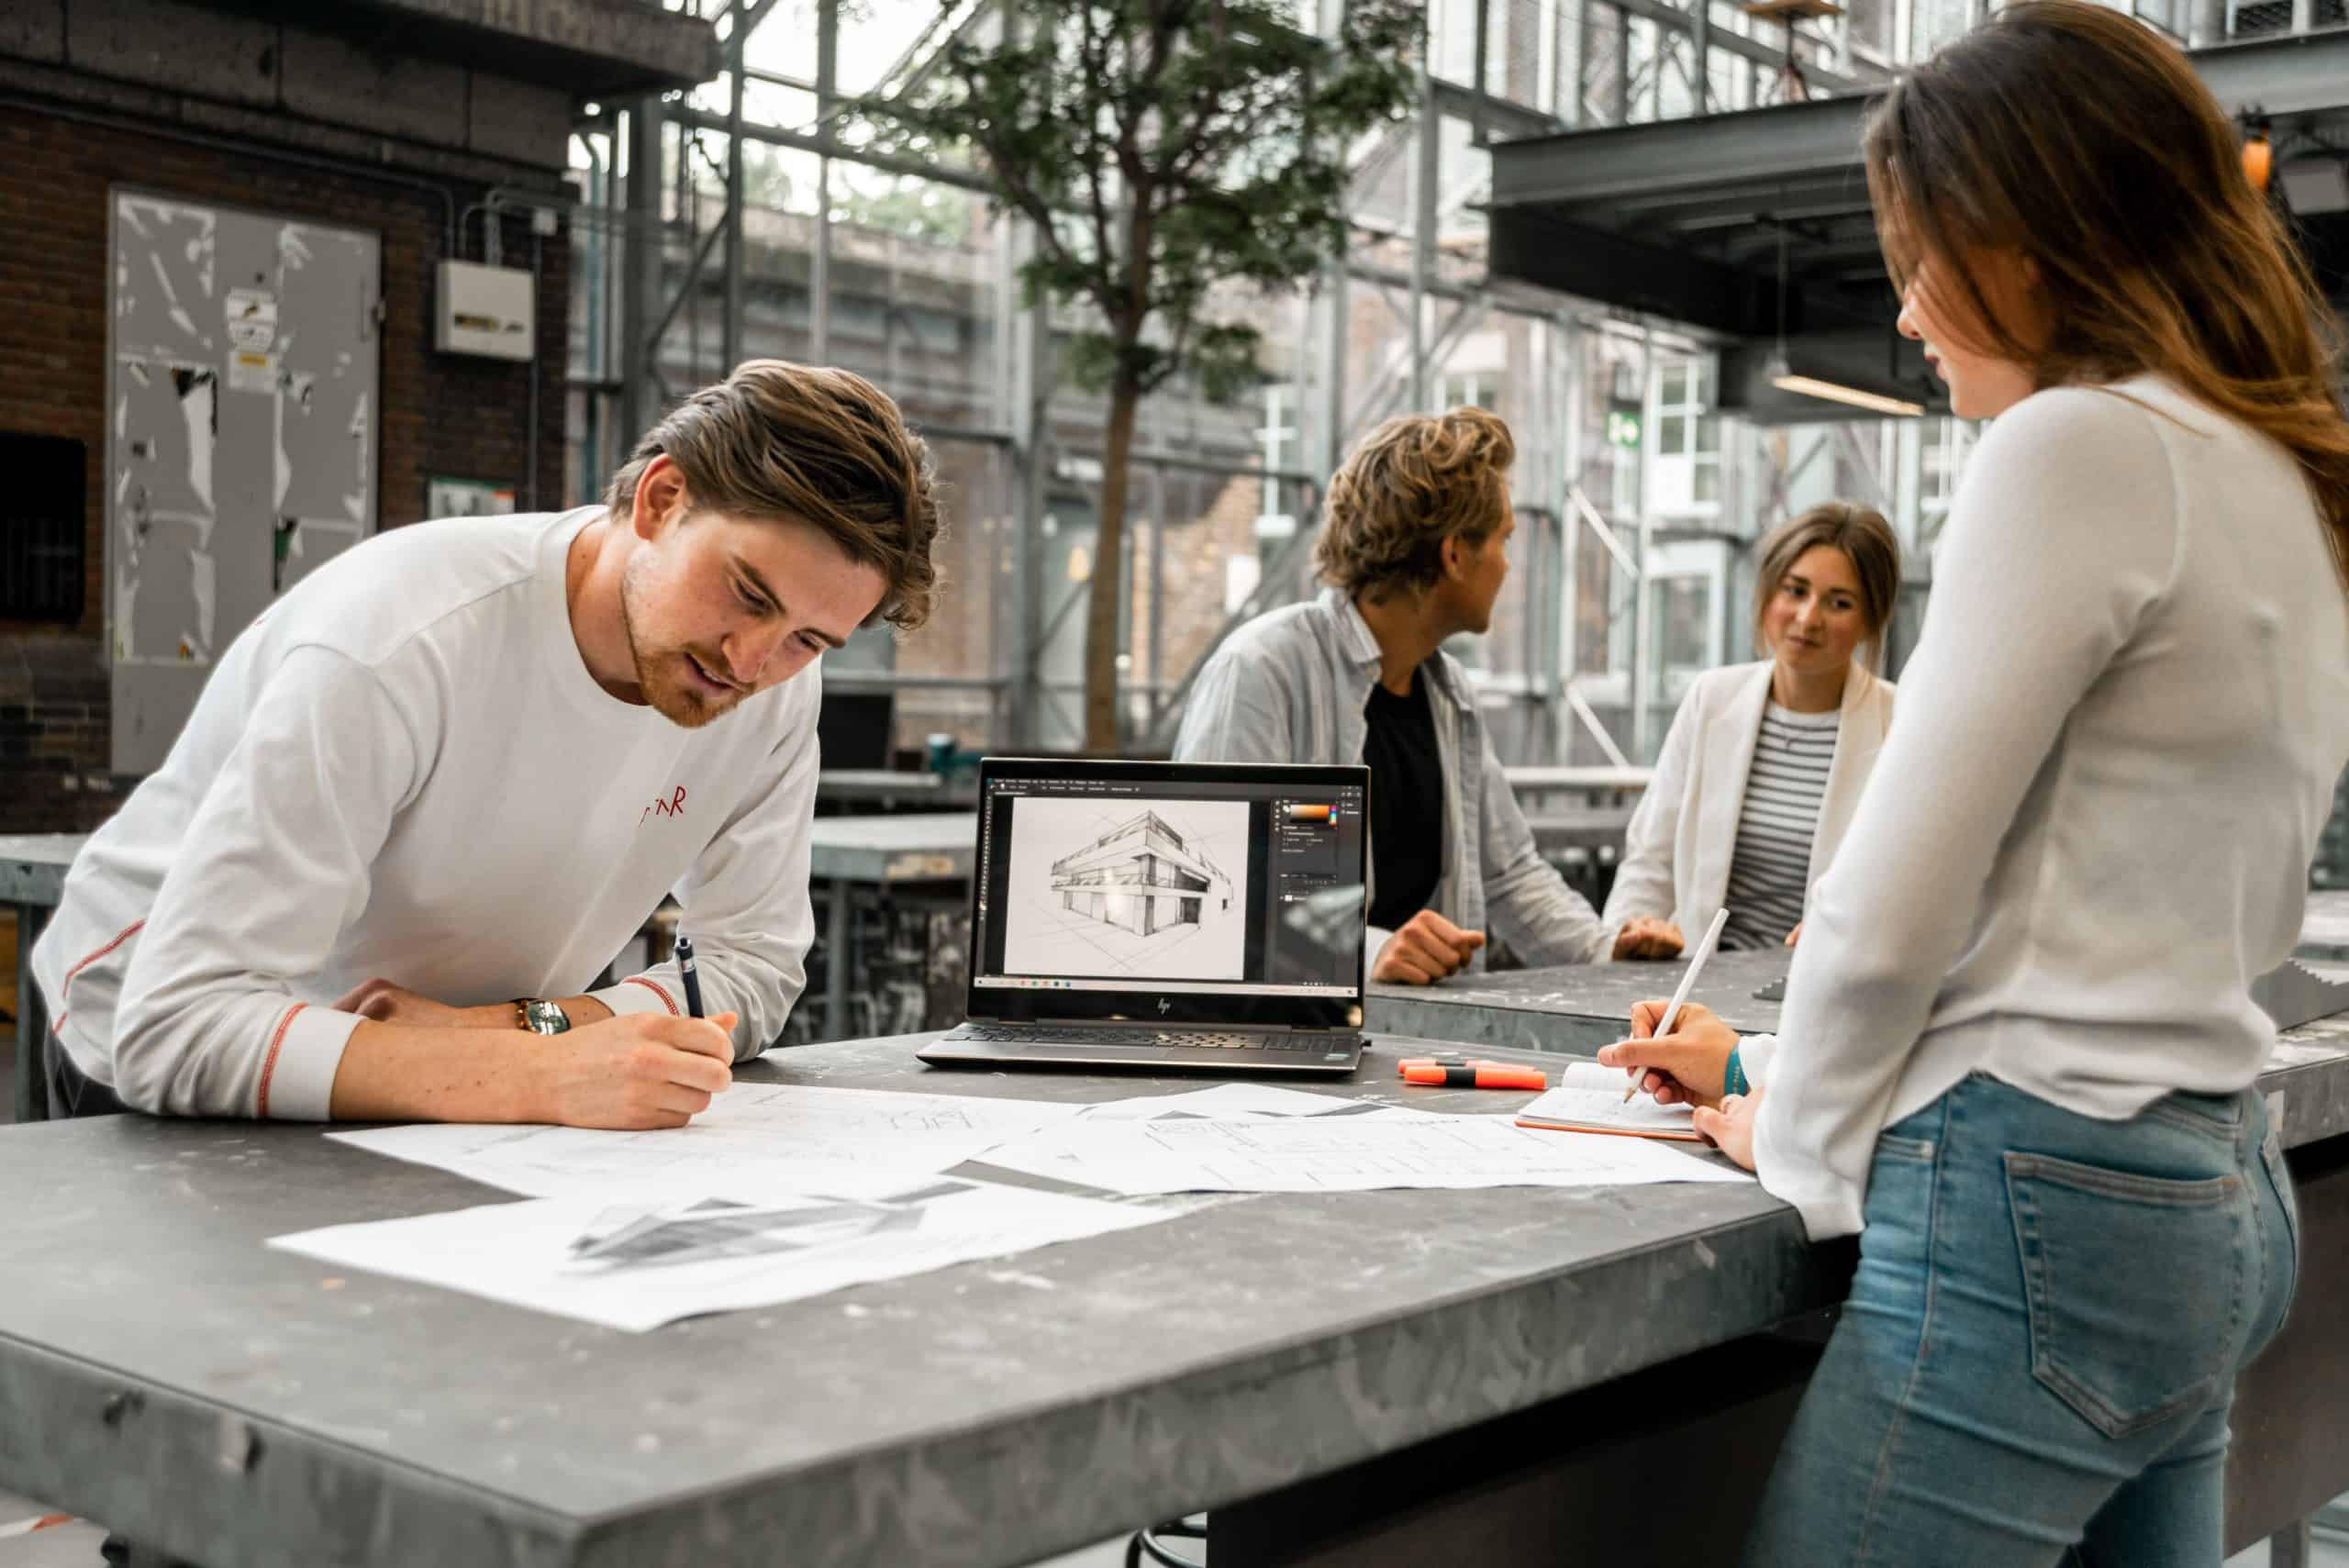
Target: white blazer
1678,850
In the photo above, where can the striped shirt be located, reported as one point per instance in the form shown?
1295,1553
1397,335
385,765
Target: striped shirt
1769,872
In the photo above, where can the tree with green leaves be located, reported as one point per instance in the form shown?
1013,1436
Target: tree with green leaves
1161,147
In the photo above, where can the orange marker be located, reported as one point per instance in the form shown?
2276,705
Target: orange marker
1477,1075
1449,1059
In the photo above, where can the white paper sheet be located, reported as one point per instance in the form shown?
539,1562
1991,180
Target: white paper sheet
1230,1102
755,1138
656,1265
1405,1149
1589,1093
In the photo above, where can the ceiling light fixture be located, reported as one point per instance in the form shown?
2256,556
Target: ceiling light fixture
1782,376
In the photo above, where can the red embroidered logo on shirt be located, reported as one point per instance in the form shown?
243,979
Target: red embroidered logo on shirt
673,806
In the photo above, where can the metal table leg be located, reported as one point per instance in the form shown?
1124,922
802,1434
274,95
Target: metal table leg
2291,1546
836,962
32,1020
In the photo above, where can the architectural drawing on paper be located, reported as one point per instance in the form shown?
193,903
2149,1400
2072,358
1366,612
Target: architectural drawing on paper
721,1227
1141,876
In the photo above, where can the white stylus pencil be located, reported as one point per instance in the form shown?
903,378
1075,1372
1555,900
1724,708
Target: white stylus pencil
1687,984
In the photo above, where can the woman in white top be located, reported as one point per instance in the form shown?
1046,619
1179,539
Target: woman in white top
1764,763
2018,1045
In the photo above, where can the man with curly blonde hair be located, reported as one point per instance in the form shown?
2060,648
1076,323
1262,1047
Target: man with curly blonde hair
428,795
1414,549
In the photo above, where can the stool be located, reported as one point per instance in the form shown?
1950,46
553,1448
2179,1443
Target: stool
1152,1542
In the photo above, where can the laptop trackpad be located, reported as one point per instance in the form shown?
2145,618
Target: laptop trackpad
1074,1051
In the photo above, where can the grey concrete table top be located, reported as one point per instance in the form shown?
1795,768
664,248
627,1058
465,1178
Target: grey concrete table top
1591,828
1537,779
917,847
160,1369
32,865
163,1372
2311,1067
2325,929
1576,1009
888,783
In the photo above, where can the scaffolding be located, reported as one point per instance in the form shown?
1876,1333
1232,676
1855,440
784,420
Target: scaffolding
747,218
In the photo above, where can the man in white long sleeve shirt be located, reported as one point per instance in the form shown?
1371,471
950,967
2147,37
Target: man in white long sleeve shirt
424,799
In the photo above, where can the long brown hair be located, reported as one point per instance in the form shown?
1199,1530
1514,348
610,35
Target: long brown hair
1866,540
2072,135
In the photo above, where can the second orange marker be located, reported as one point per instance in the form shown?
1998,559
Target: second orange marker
1477,1075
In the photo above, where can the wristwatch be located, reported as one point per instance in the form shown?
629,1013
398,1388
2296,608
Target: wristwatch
539,1016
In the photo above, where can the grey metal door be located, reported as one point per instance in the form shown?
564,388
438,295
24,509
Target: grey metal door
242,436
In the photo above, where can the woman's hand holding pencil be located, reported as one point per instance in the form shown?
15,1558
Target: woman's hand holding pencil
1687,1066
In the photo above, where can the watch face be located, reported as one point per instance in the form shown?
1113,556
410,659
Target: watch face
546,1017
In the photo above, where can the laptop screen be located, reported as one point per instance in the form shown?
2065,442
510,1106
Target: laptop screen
1192,893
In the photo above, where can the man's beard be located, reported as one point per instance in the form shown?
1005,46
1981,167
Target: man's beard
667,687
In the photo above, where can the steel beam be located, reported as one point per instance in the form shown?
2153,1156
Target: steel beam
1819,141
1426,165
1700,38
776,136
1723,154
1573,51
1606,214
1498,115
746,16
1577,391
1665,279
1642,612
2296,74
1619,102
1483,33
640,271
1783,201
1023,340
820,269
1665,14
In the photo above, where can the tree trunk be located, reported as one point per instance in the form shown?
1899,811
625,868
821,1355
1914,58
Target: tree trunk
1102,644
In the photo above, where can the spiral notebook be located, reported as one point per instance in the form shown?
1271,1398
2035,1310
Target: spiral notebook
1589,1098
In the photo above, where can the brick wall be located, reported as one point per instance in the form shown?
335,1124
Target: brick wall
440,413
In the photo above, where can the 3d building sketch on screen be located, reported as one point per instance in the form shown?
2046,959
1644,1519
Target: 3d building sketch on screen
1142,877
1116,889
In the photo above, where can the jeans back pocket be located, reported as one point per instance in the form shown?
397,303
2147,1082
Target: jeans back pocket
2135,1286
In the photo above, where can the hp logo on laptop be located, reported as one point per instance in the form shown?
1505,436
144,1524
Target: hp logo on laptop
1163,1006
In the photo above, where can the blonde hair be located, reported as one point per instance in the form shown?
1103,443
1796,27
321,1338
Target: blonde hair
1866,540
777,440
1410,484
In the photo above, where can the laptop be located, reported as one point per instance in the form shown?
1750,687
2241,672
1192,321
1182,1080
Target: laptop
1166,916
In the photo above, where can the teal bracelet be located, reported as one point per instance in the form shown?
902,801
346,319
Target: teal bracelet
1733,1079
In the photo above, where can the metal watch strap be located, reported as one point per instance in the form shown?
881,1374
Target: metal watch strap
539,1016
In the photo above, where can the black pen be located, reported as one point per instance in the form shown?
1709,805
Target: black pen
693,980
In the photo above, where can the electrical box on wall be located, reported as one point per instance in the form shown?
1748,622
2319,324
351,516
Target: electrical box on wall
485,310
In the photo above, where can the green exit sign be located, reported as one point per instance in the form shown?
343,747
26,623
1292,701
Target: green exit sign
1622,428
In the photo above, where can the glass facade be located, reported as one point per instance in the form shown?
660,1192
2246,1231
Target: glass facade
1637,500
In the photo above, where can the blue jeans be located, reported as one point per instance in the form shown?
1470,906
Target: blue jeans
2036,1360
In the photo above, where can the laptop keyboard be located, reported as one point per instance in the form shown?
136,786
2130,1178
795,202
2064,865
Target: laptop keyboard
1180,1039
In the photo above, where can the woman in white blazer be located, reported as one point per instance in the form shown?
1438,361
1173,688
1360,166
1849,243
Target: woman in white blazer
1764,761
